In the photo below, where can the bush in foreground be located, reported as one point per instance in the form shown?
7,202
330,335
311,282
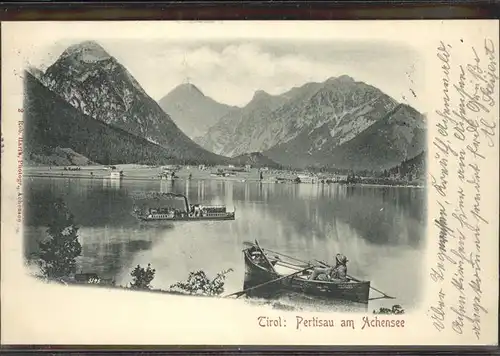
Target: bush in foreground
198,283
142,277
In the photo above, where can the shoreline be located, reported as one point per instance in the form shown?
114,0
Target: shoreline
211,178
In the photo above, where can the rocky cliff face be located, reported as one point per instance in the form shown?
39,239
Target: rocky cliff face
399,135
94,82
56,133
238,132
306,125
335,111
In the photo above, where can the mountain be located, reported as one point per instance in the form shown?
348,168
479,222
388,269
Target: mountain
56,133
340,107
192,111
96,84
322,124
399,135
255,159
228,136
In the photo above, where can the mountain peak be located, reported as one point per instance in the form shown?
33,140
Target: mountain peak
87,51
188,88
260,93
260,98
345,78
342,79
192,111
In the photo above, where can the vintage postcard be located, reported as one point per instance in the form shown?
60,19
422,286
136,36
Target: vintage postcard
251,183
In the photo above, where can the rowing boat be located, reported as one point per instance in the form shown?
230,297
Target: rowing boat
273,266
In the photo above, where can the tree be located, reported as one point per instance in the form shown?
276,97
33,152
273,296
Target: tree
58,253
142,277
199,283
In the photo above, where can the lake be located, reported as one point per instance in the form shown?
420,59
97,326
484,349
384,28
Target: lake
381,230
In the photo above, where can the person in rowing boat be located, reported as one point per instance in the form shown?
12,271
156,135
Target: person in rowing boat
339,272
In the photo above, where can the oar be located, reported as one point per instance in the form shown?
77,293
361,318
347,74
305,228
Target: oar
357,280
323,263
280,262
377,298
375,289
240,293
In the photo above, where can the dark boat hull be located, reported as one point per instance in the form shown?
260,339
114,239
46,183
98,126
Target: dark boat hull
357,292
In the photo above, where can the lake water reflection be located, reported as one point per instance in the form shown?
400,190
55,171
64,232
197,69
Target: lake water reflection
380,229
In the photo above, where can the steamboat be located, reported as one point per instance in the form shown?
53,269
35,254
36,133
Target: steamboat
153,210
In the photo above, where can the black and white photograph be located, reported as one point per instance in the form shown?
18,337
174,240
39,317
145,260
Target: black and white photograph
283,170
283,174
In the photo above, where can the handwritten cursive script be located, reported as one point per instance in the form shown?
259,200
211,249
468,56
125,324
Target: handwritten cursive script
466,128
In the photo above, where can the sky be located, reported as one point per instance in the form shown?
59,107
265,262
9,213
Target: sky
230,71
